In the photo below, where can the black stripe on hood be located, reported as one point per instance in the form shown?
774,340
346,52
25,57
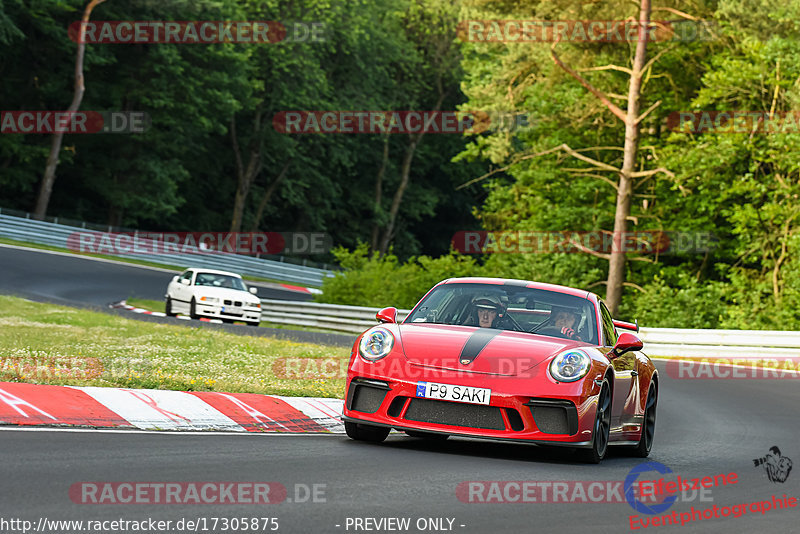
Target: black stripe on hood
476,343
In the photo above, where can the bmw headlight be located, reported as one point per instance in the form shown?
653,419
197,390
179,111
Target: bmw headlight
212,300
376,344
570,366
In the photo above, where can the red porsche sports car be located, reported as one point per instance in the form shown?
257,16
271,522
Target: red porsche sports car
504,359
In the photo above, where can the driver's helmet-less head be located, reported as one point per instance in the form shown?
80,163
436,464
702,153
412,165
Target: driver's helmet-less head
558,311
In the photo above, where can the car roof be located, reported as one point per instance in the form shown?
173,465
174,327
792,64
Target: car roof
523,283
212,271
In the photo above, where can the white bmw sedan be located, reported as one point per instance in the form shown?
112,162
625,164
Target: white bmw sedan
212,294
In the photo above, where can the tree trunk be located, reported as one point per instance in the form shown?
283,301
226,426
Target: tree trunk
245,175
376,225
405,175
268,195
616,268
49,178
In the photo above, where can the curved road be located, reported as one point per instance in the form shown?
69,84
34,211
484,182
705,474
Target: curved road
73,280
69,279
704,428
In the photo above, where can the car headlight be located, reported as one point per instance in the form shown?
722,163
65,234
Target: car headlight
376,344
570,366
213,300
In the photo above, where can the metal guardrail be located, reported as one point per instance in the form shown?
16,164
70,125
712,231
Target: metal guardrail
657,341
56,235
350,319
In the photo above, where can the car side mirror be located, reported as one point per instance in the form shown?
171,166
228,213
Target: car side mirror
626,343
175,278
387,315
254,290
185,281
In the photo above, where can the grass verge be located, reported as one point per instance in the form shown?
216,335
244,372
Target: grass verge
48,344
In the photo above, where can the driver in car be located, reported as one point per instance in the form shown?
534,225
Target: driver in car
487,312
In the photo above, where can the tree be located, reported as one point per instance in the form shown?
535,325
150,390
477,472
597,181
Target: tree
49,177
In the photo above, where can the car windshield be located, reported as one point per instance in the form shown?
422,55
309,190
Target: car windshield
515,308
220,280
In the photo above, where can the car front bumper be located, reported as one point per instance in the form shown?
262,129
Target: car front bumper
537,410
215,311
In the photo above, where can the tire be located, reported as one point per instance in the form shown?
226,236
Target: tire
193,310
254,323
642,449
602,426
360,432
433,436
168,308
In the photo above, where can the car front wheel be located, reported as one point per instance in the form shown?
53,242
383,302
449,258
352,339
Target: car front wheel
602,426
168,308
193,310
360,432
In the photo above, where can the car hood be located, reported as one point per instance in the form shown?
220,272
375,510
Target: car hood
226,293
479,350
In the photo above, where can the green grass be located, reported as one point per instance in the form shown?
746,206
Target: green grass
48,344
126,260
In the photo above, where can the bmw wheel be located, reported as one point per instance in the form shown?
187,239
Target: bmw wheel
168,308
193,310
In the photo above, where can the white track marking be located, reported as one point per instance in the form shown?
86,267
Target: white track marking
152,409
324,412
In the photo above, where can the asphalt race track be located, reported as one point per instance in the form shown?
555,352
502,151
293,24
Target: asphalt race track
69,279
704,428
72,280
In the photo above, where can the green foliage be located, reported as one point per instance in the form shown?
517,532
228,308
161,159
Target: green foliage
384,54
370,280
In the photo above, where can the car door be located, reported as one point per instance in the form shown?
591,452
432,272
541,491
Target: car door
183,293
624,369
